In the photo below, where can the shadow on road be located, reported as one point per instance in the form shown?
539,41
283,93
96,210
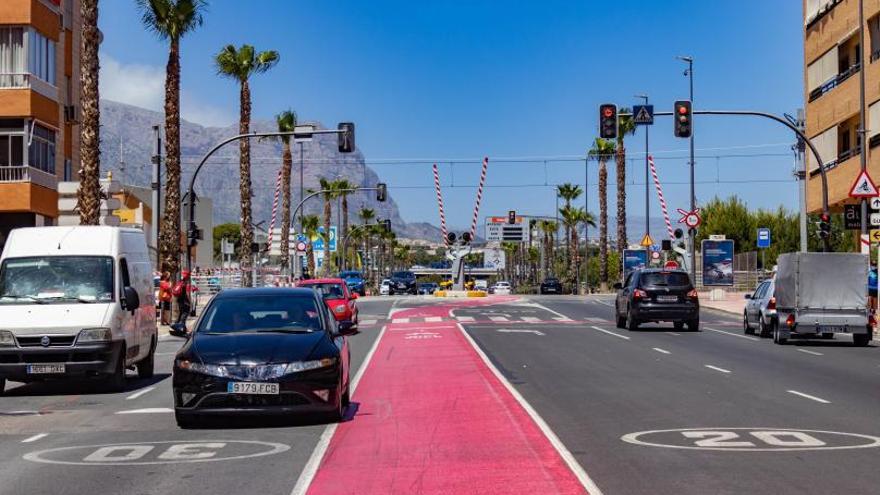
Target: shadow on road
80,387
233,422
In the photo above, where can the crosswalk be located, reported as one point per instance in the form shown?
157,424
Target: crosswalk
483,319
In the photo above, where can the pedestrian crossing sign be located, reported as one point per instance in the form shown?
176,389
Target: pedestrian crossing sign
863,187
647,241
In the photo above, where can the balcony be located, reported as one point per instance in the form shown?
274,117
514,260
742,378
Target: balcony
28,174
834,82
25,80
821,12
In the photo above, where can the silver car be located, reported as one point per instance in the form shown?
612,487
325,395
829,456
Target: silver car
760,310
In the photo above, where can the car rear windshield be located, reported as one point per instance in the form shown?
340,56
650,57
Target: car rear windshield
671,279
404,275
350,275
551,280
253,313
328,290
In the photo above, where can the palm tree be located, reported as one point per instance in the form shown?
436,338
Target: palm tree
510,249
88,196
568,192
626,126
602,150
240,64
171,20
330,194
549,228
310,229
286,121
366,215
341,186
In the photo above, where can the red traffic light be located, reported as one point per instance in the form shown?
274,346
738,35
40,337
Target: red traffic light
825,218
607,112
682,110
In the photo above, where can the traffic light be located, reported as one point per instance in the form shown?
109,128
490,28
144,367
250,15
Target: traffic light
683,115
666,245
450,237
193,236
386,225
466,238
679,233
824,226
608,121
345,139
511,217
381,192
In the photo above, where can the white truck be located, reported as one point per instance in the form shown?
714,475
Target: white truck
823,294
76,302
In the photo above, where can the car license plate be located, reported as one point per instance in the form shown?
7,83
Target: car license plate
667,298
41,369
252,388
833,329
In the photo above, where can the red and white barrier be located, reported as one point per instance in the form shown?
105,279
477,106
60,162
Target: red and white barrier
440,205
660,195
275,210
479,197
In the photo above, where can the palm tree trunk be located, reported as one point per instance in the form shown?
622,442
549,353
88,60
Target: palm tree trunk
247,230
344,226
603,225
89,192
170,235
286,165
620,158
310,261
328,213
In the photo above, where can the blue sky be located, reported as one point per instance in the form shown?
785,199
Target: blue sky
450,81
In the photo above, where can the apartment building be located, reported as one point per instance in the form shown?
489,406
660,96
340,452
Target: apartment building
39,98
833,60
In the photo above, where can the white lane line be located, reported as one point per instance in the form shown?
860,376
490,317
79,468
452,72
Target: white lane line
400,320
716,368
811,352
311,468
35,437
624,337
662,351
808,396
530,319
147,410
433,319
466,319
731,334
566,455
673,333
367,322
604,303
498,318
140,393
562,318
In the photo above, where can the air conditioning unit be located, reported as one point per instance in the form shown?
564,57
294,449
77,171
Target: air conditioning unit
71,114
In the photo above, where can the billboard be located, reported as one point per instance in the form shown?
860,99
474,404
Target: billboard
318,242
717,262
494,259
634,259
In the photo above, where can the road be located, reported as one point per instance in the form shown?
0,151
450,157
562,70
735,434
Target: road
499,395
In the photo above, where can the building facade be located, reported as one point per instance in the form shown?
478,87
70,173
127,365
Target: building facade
39,107
833,59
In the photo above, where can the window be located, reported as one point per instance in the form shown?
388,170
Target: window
41,152
822,70
13,66
826,145
41,56
68,170
874,34
664,279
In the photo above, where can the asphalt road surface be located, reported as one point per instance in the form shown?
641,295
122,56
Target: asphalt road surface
499,395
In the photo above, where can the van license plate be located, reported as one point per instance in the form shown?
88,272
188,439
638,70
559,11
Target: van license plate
42,369
835,329
252,388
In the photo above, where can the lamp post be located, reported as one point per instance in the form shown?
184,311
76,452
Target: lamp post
692,233
647,177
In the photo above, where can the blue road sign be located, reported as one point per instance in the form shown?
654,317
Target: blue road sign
643,114
763,238
318,242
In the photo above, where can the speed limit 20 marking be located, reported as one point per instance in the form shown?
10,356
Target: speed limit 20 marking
751,439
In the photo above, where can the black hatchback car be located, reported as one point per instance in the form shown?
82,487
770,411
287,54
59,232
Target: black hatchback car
263,351
655,295
551,285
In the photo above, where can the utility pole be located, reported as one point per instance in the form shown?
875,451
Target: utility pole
801,173
156,185
863,131
647,177
692,233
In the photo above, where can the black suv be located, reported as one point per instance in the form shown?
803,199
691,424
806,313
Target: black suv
655,295
403,283
551,285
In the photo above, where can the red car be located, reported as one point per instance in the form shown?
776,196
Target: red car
338,298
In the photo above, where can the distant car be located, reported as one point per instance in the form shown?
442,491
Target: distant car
428,288
655,295
760,310
355,281
404,283
263,351
551,285
385,287
337,296
501,287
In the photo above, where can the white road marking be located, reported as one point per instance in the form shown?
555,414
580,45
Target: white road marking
604,303
367,322
498,318
624,337
400,320
808,396
662,351
433,319
465,318
716,368
530,319
747,337
811,352
545,308
311,467
566,455
562,318
147,410
140,393
673,333
35,437
519,330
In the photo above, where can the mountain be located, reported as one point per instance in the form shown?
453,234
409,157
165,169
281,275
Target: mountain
127,144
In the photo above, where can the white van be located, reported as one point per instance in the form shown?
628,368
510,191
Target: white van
76,302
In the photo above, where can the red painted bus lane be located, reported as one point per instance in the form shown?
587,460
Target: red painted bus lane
432,417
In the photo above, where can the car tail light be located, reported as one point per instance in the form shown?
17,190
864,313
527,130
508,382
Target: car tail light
790,321
640,294
693,294
872,320
772,303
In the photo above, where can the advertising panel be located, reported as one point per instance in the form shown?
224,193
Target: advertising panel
634,259
717,262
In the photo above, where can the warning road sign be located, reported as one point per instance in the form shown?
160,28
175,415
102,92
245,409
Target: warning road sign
647,241
875,236
643,114
863,187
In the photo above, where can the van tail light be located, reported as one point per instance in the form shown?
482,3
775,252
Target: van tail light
872,320
790,321
693,294
640,294
772,303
